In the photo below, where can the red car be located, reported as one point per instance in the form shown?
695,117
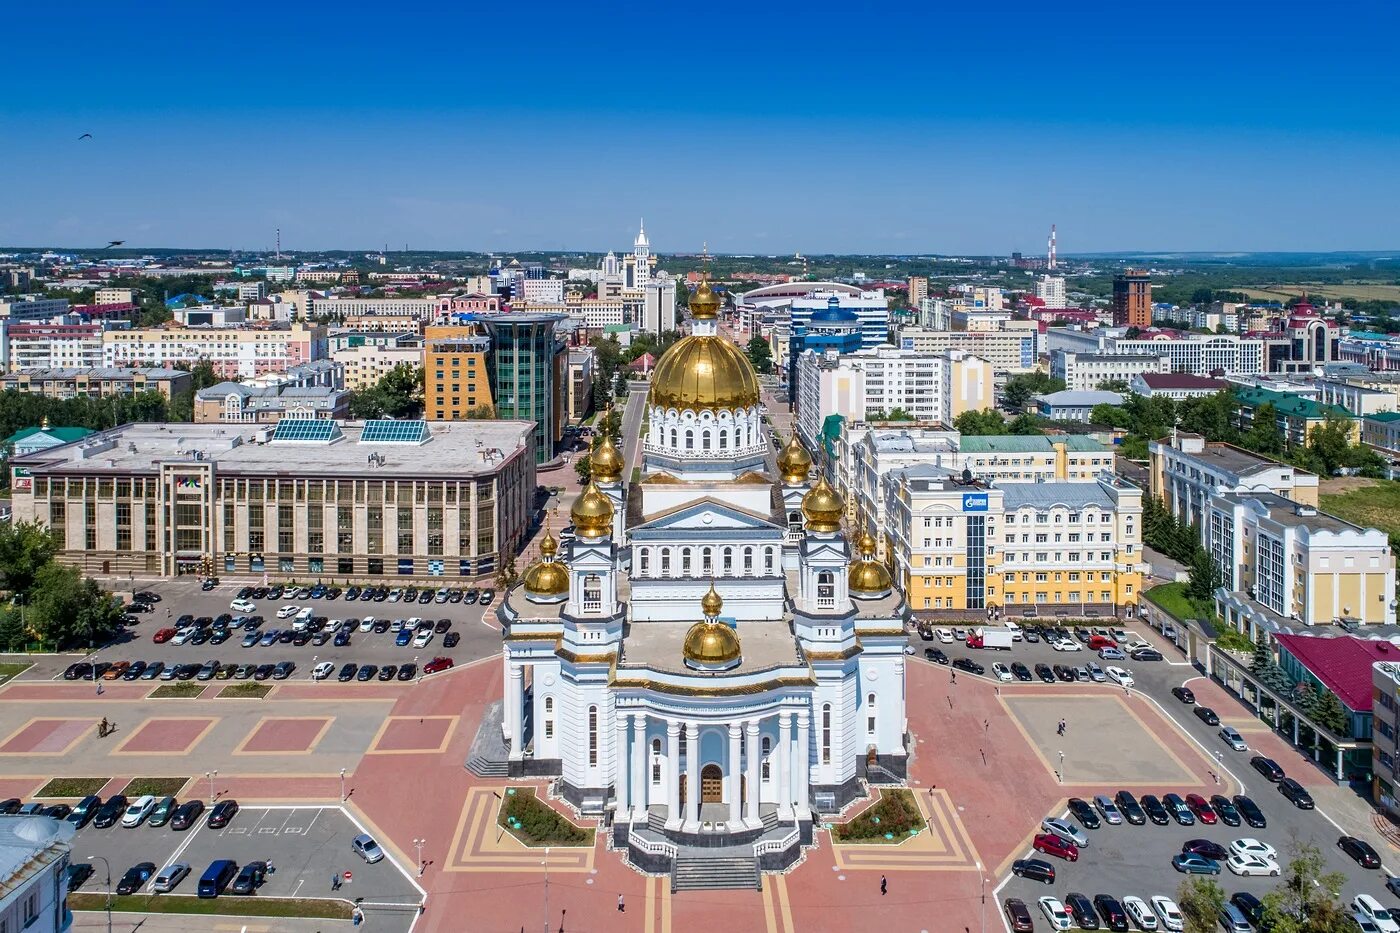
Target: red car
1050,844
163,636
1202,808
437,664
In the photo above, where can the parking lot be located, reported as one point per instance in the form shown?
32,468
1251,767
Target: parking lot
305,845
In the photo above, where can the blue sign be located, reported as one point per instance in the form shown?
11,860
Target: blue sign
974,502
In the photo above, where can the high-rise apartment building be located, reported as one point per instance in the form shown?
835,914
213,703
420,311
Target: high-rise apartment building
918,290
455,383
1051,290
1132,299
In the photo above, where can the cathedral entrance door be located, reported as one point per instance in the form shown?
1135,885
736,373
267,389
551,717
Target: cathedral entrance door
711,784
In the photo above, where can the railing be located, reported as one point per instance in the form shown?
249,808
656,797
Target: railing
767,846
651,846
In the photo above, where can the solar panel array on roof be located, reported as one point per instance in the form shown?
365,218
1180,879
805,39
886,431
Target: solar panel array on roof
306,430
385,431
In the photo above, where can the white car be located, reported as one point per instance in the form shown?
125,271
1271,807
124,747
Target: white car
422,638
1247,865
184,635
1140,913
1168,913
1055,912
909,649
1365,905
1120,676
367,624
1067,644
287,611
396,626
243,605
1001,671
1255,848
138,810
1065,830
1130,647
944,635
395,595
322,671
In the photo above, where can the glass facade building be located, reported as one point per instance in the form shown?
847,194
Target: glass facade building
526,368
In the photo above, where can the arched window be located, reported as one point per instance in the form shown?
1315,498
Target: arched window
748,561
655,761
665,562
705,439
767,748
723,438
728,564
593,737
549,704
673,438
643,560
707,561
689,439
685,562
768,561
870,700
826,733
870,713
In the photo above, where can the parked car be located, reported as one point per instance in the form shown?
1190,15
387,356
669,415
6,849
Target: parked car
85,810
1132,811
1250,811
1082,812
169,877
1201,809
1018,918
322,671
1065,830
110,812
1295,792
1247,865
1082,910
1364,905
366,848
1055,913
408,672
1139,913
78,874
161,813
1111,912
436,665
1205,847
969,665
347,671
1051,844
1207,715
1191,864
1043,671
1169,913
216,877
250,878
223,811
283,670
1108,810
1360,850
1184,694
136,876
1225,810
1267,767
137,811
1034,869
186,815
1179,810
1233,738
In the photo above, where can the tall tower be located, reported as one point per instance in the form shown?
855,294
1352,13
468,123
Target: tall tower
1132,299
640,262
1050,260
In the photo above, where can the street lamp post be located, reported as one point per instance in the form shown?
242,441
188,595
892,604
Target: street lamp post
211,775
1062,767
546,889
982,878
342,785
109,887
419,844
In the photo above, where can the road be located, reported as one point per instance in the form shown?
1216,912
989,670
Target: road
632,427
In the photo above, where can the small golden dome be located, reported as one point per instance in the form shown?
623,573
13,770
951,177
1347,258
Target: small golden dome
548,546
704,304
868,578
606,461
546,578
704,372
592,513
822,507
866,544
711,644
711,603
794,463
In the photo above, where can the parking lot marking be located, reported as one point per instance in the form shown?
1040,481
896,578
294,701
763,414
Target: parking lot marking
186,730
286,735
407,724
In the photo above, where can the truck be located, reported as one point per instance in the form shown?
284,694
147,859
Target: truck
1000,638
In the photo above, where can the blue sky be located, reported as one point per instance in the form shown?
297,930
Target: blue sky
954,128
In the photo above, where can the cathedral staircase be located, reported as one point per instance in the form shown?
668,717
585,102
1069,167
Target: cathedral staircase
697,871
486,768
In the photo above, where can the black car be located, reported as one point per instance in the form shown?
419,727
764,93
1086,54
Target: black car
1082,910
78,874
110,812
10,805
442,626
367,672
347,671
1184,694
935,655
352,593
1084,813
283,670
209,584
425,597
285,637
146,596
1132,810
186,815
388,671
342,638
1226,810
245,593
1296,793
1065,673
1207,715
1045,674
1155,811
135,877
301,638
969,665
223,811
1146,654
1267,767
454,596
381,626
1250,811
200,637
58,811
250,878
79,671
1359,850
408,671
85,810
263,671
1034,869
472,596
1114,916
275,592
1249,905
487,597
1020,671
134,672
451,639
1211,850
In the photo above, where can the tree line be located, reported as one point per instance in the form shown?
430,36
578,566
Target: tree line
51,605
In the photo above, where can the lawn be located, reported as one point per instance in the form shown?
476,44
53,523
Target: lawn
72,787
1377,505
246,691
186,690
893,818
1172,598
535,823
8,671
228,905
155,786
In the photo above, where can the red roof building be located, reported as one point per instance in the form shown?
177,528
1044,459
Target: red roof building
1339,665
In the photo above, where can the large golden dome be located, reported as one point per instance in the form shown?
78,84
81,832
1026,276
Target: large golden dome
592,513
606,461
711,644
822,507
868,578
704,372
546,578
794,463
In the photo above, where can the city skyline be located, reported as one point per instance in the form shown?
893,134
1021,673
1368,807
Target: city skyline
1216,130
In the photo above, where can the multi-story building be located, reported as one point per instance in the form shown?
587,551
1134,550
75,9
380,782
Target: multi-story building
1074,405
455,380
580,383
659,305
341,309
232,351
1385,733
918,290
96,382
871,309
1083,372
368,362
1284,563
54,346
1381,432
1175,385
384,323
1030,549
1132,299
32,308
35,852
243,291
527,371
546,290
1050,289
378,499
1357,399
1009,352
236,403
113,296
1198,354
1186,471
595,313
1295,415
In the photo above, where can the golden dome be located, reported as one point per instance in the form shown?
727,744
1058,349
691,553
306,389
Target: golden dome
547,578
868,578
794,463
704,372
704,304
866,544
548,546
606,461
711,603
711,644
822,507
592,513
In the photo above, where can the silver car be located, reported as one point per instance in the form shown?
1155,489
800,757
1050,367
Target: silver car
1108,810
1234,739
366,848
170,876
1066,831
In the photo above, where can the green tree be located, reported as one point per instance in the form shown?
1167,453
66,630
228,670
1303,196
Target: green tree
1204,579
1306,899
398,394
1021,388
13,636
610,424
760,355
980,423
1112,385
507,575
899,414
1200,900
1263,658
1264,435
1330,442
25,549
583,466
1026,424
67,610
1329,713
1213,416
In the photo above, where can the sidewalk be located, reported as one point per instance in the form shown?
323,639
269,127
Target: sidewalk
185,923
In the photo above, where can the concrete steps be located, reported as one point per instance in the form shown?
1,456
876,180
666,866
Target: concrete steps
710,873
481,767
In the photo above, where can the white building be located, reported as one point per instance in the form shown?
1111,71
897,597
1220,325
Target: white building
1074,404
1175,385
1083,372
34,856
425,309
761,673
1198,354
659,310
112,296
32,308
871,309
551,290
1009,351
1051,290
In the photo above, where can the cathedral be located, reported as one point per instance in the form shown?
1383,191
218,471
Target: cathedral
706,663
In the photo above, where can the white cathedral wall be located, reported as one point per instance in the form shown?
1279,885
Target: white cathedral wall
741,431
575,701
547,686
882,676
745,599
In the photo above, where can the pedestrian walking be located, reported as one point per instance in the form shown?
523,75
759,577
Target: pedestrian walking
955,676
621,905
102,728
883,885
986,725
335,881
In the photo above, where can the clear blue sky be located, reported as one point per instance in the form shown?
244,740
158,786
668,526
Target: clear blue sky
931,127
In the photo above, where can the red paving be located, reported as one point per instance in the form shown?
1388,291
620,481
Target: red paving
61,690
46,736
337,691
323,787
162,736
412,735
23,788
285,735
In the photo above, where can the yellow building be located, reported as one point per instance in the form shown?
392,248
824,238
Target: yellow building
456,382
1055,549
365,365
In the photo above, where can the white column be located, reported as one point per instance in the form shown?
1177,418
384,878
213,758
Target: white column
802,769
692,774
784,755
731,775
673,774
515,700
621,768
641,780
755,750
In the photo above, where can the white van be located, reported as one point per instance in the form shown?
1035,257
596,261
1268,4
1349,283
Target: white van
302,620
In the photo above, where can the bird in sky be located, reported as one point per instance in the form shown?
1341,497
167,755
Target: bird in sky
114,243
85,136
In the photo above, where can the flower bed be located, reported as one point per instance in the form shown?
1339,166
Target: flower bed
893,818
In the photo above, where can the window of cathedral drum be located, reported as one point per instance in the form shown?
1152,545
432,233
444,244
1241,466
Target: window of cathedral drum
592,593
705,439
826,734
728,562
592,735
768,561
689,439
673,437
870,705
656,761
767,749
723,438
